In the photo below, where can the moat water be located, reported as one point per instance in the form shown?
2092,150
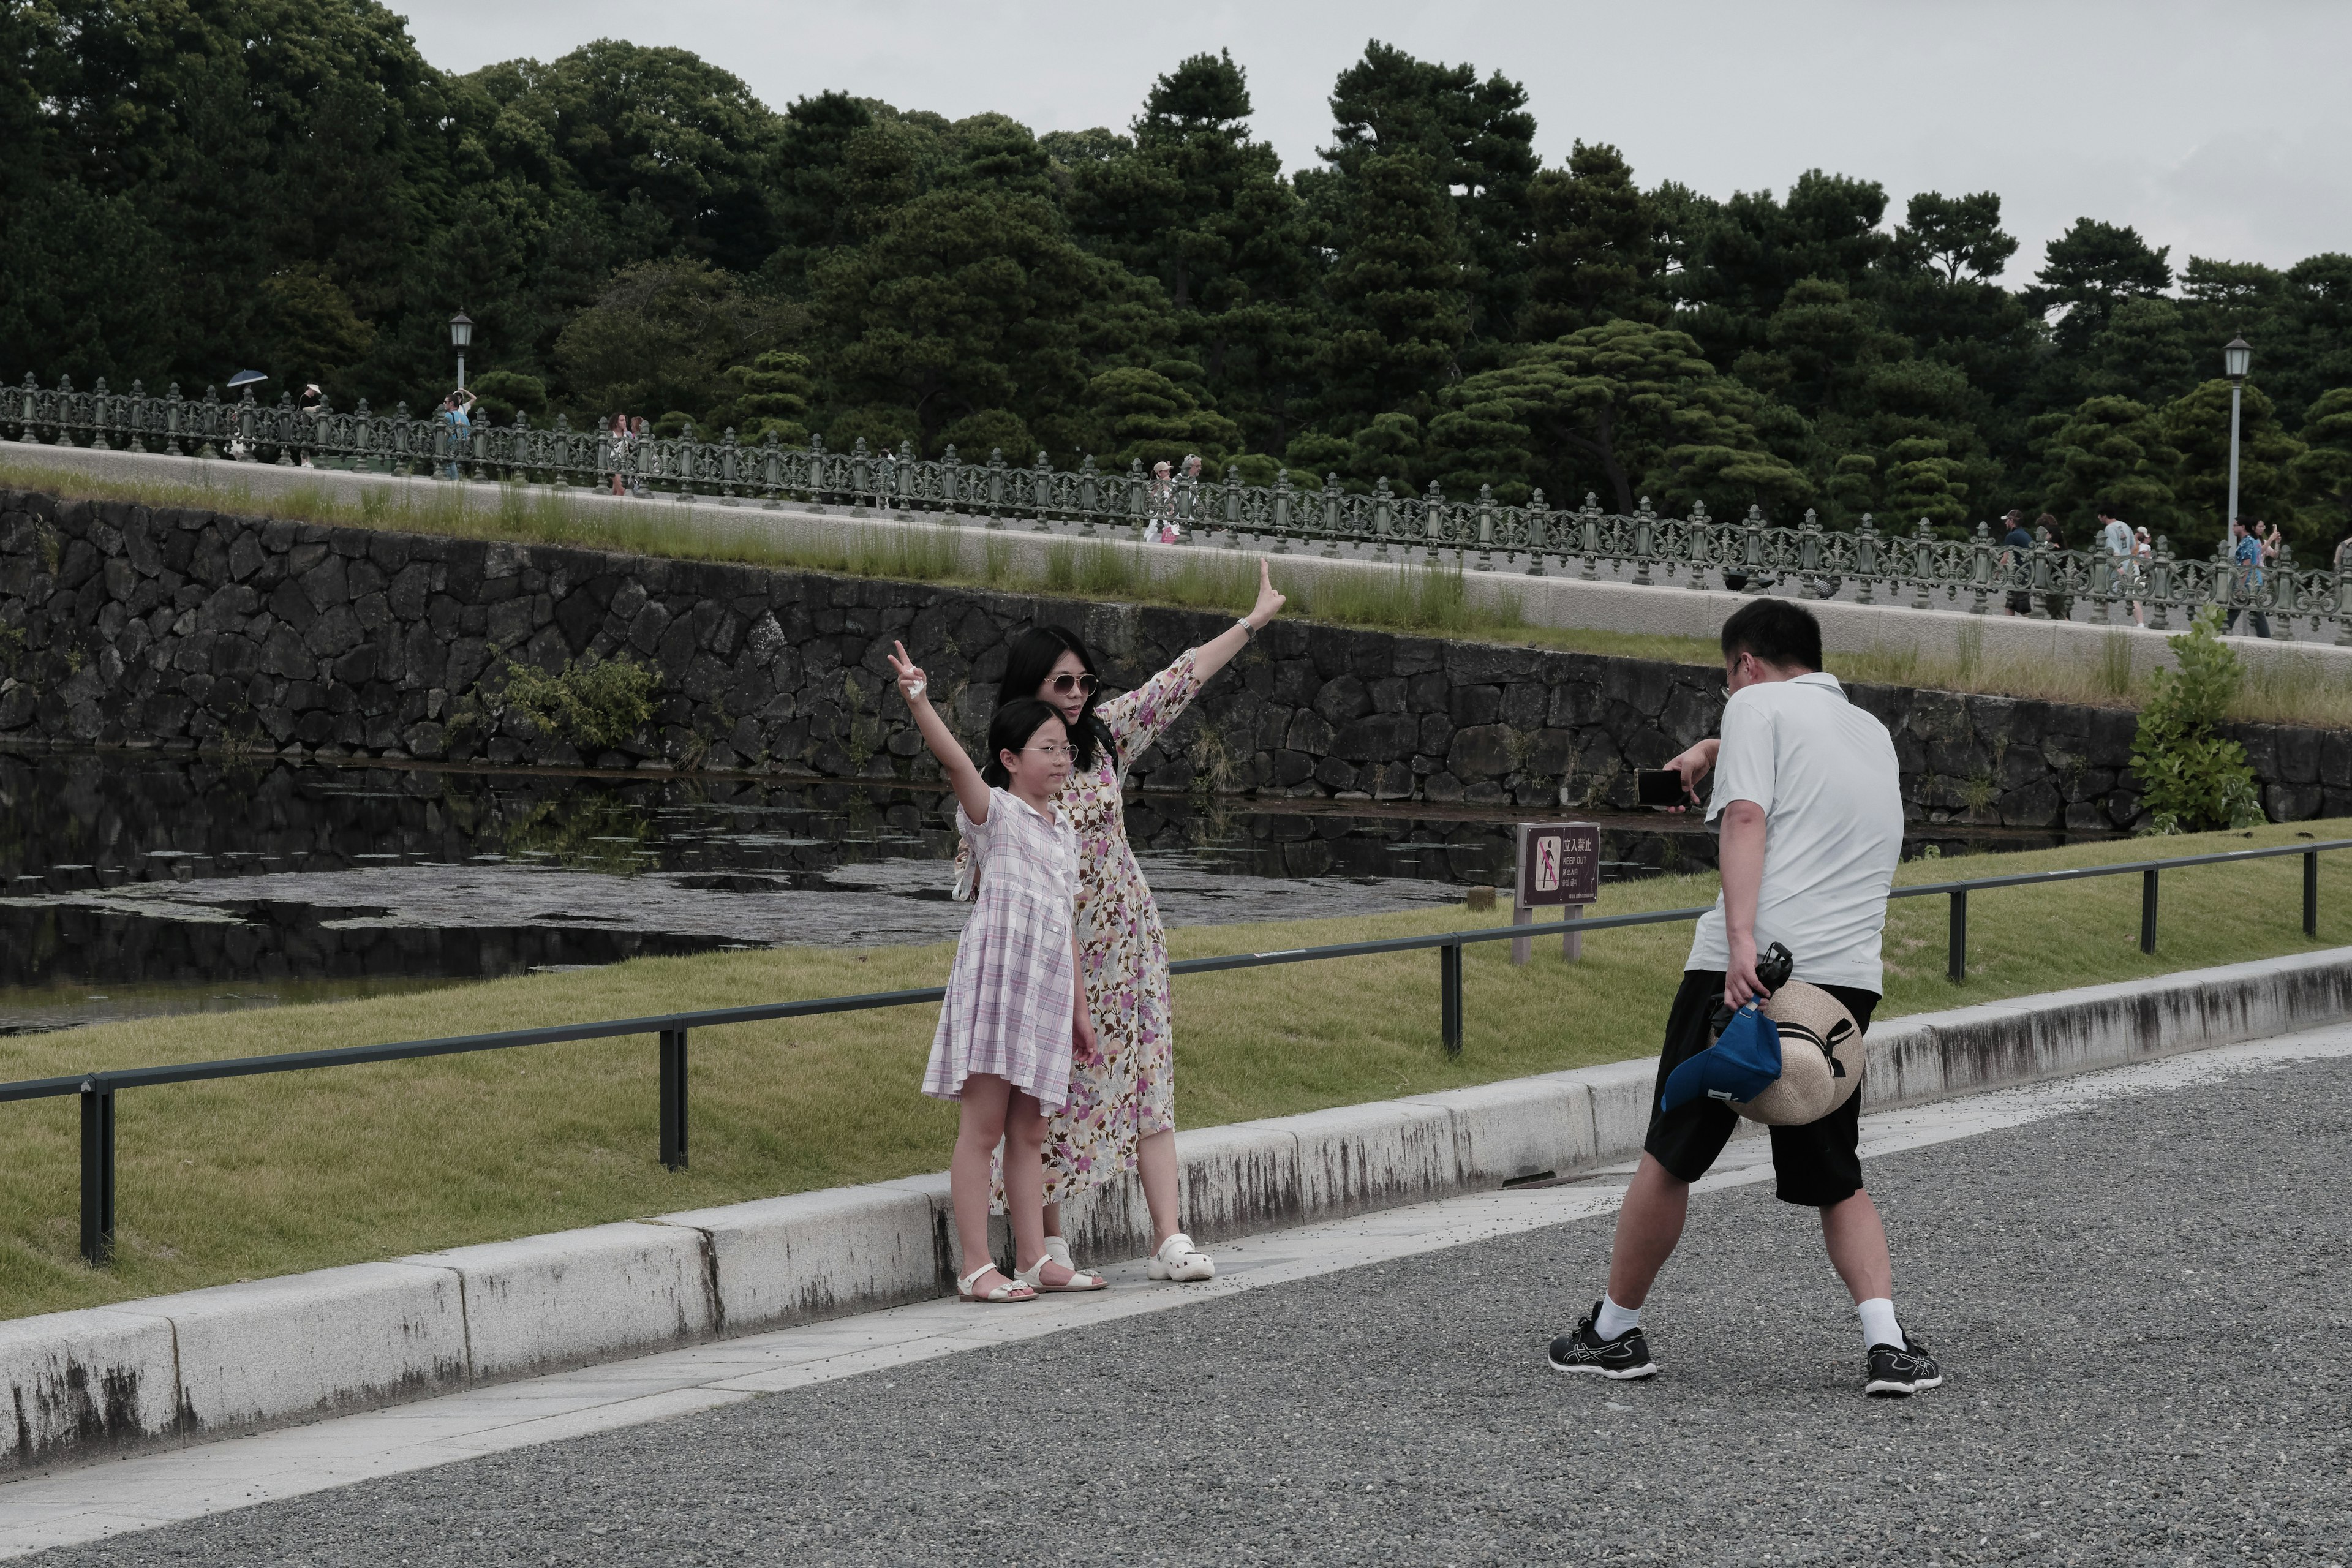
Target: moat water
134,883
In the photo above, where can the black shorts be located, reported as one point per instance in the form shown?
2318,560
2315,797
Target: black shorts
1817,1164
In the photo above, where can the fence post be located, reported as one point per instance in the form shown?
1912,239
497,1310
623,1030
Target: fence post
2148,911
673,1099
1449,996
96,1173
1956,962
2310,892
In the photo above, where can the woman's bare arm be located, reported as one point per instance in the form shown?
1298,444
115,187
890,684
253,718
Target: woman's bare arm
1219,650
971,789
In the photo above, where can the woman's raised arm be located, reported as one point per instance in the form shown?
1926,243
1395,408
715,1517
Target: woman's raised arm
971,789
1219,650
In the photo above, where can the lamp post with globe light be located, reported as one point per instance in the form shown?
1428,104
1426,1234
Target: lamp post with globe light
2237,357
461,337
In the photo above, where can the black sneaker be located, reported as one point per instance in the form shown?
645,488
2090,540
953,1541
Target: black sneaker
1626,1356
1899,1373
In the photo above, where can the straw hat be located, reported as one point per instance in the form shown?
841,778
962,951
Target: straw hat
1821,1057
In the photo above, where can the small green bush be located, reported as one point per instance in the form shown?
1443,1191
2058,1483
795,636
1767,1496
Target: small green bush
597,702
2190,778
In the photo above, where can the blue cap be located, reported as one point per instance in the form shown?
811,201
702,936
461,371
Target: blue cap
1744,1062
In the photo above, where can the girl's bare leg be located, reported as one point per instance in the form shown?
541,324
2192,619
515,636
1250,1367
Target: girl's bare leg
1024,1185
986,1098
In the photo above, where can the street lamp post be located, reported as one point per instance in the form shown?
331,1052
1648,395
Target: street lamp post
461,337
2237,355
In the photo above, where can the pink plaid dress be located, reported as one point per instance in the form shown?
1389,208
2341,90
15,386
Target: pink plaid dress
1012,997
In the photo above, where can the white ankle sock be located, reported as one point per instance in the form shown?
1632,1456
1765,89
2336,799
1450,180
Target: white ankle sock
1878,1325
1615,1320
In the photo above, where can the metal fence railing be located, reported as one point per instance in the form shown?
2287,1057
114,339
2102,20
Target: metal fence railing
96,1089
1922,568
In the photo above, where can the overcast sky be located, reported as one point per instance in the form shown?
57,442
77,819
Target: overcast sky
2217,130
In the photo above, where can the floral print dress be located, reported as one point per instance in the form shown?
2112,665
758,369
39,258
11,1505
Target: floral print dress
1129,1091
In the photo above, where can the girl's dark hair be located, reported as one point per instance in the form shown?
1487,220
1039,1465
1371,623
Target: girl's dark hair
1010,730
1035,654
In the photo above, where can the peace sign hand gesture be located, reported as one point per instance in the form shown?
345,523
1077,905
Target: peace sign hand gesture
912,680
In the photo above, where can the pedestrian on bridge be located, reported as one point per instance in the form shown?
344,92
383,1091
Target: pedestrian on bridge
1121,1114
1014,1018
1811,804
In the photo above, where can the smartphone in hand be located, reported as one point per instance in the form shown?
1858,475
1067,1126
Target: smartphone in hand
1660,786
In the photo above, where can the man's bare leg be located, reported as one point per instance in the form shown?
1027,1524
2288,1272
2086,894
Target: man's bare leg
1648,1225
1857,1244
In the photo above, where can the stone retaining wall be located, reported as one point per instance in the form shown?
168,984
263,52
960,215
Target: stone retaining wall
125,626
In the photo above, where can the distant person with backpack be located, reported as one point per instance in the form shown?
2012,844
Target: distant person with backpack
2248,552
455,413
2016,562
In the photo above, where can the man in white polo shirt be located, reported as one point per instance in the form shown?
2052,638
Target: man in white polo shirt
1810,806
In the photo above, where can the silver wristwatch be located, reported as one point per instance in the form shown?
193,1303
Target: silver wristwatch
1248,631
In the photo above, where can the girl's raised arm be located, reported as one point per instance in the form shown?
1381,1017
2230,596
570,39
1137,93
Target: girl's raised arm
971,789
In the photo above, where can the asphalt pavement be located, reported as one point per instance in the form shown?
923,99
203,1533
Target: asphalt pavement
2139,1306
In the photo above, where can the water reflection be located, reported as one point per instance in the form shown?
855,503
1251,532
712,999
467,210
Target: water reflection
187,881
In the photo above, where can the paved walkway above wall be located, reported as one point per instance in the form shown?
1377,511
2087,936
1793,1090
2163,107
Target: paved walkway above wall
234,1358
1548,601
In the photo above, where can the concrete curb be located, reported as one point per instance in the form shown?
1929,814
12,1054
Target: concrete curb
233,1357
1666,608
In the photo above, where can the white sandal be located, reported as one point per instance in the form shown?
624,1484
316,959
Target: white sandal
1003,1295
1180,1261
1080,1280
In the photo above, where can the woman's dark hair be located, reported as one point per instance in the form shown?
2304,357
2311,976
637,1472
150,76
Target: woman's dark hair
1010,730
1035,654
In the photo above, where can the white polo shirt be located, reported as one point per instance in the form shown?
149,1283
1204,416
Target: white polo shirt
1824,773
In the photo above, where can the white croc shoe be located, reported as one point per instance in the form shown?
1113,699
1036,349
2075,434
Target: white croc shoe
1180,1261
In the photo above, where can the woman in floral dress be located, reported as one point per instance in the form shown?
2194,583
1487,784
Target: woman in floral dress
1121,1112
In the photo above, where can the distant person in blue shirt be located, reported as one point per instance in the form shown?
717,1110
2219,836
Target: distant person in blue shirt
454,415
2247,554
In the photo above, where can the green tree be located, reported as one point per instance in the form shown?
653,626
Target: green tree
1193,201
1925,480
2196,427
1628,410
2091,268
661,336
1740,257
1156,416
969,299
769,395
1478,141
2142,354
1397,291
2322,473
1595,253
2110,452
1953,235
2192,778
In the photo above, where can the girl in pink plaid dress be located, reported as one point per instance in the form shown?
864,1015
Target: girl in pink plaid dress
1014,1018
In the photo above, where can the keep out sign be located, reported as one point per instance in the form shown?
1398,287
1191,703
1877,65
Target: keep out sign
1559,863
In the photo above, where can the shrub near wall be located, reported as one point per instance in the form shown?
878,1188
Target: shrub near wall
187,628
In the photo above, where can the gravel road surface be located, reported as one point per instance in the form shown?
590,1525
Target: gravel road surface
2140,1309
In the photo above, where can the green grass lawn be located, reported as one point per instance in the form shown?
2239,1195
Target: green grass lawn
268,1175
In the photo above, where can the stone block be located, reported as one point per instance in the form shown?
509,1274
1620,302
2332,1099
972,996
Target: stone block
1240,1178
817,1255
1621,1106
1354,1158
1901,1063
565,1299
1516,1129
82,1382
314,1344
